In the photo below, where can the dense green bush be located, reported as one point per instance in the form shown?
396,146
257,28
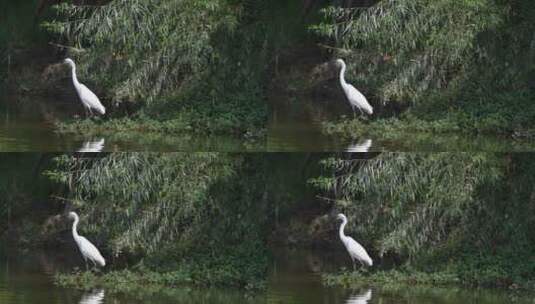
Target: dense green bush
468,63
17,32
140,50
467,213
197,213
188,61
22,191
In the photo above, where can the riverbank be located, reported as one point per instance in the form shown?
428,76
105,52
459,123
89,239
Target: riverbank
246,274
202,80
292,278
214,219
488,277
199,107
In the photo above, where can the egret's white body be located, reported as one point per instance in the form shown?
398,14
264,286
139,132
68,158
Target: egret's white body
355,98
88,98
95,297
355,250
87,249
92,146
360,298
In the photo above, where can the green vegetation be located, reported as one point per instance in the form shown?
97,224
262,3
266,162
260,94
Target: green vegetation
192,65
465,215
392,277
22,188
150,284
196,66
446,65
192,218
17,32
164,220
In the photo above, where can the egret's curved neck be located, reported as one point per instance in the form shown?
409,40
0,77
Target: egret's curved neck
74,78
342,227
75,227
342,76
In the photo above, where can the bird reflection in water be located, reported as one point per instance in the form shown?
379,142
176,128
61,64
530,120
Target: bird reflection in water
362,146
362,298
94,297
92,146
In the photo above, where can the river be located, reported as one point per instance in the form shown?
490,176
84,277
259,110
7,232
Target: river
296,124
28,124
294,277
27,116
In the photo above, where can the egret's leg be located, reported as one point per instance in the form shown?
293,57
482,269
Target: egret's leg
362,266
354,266
91,112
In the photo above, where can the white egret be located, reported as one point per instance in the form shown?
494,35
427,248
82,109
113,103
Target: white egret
360,298
355,250
88,98
355,98
87,249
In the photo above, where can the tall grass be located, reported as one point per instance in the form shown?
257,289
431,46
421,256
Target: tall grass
471,62
140,50
193,212
467,213
201,65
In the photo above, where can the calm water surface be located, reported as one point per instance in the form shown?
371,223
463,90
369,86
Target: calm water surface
295,125
294,277
28,125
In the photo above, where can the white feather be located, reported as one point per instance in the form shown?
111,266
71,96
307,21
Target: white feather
355,250
87,249
356,99
87,97
90,251
90,100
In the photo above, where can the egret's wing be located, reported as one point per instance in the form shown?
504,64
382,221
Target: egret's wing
356,96
89,97
356,250
90,251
